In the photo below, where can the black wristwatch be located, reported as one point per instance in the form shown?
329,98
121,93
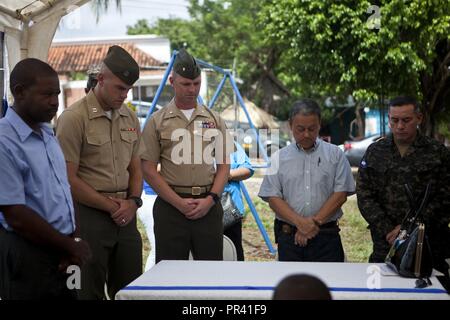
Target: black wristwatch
215,197
136,200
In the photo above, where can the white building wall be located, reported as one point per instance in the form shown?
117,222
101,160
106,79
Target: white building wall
156,46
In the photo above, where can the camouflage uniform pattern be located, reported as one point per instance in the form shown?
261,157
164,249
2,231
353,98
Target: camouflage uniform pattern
381,194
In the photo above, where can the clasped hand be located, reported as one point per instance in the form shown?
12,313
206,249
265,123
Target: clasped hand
306,230
194,209
125,212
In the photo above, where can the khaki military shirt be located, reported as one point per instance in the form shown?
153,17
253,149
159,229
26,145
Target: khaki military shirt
101,147
187,149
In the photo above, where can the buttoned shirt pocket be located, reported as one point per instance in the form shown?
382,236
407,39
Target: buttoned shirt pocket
427,165
97,140
166,141
98,149
211,142
379,167
385,177
424,171
128,138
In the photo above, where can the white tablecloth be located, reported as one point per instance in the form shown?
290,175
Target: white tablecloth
207,280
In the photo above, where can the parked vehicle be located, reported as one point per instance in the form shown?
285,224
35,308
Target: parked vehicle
250,144
142,108
354,150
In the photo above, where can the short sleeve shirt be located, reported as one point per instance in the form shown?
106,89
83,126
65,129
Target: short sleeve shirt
101,147
33,173
305,180
187,149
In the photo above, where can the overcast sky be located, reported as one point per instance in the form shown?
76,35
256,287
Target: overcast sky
81,22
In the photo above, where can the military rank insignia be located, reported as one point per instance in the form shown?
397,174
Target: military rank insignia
128,129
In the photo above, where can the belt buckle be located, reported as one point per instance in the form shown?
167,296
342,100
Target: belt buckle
196,191
286,228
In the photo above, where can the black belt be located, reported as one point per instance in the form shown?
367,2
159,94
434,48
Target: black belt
290,229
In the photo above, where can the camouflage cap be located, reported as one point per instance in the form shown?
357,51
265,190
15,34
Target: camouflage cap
185,65
122,65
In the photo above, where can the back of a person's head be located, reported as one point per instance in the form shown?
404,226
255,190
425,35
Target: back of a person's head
301,287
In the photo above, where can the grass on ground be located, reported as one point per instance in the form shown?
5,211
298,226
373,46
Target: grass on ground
355,236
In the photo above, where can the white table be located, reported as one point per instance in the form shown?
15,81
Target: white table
206,280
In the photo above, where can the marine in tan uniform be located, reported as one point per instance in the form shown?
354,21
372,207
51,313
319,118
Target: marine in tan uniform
100,138
187,213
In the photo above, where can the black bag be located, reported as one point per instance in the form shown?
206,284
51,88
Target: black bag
410,255
231,214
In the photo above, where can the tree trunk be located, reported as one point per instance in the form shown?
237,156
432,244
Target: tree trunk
436,88
360,120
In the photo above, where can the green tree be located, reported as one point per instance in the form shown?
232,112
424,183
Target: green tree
221,32
176,29
329,45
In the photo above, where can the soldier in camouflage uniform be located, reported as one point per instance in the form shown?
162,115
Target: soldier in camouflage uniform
405,156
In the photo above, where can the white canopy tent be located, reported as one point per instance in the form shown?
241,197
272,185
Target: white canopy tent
29,26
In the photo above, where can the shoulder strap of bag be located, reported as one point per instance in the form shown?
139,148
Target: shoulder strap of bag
416,207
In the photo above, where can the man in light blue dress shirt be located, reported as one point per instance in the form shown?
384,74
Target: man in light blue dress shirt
37,221
306,186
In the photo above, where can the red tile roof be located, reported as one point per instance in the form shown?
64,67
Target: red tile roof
67,58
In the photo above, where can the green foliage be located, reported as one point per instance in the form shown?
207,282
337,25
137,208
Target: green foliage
222,32
292,48
229,31
330,45
444,124
179,31
78,76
